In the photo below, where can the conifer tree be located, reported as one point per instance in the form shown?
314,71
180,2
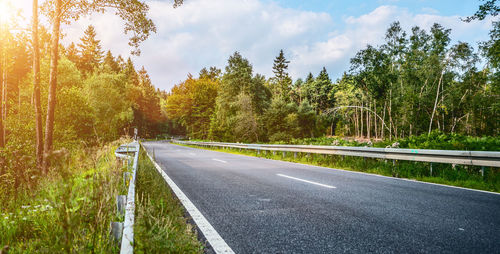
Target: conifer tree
109,62
282,81
72,53
90,51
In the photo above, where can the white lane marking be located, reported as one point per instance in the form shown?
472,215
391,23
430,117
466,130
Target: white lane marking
219,160
372,174
193,154
215,240
306,181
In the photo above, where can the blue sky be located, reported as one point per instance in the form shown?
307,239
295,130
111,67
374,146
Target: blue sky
358,7
313,33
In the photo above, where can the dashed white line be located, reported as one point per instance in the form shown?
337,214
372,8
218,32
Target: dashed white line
307,181
219,160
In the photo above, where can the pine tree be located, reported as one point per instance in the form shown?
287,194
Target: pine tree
72,53
130,72
282,81
109,62
90,51
323,88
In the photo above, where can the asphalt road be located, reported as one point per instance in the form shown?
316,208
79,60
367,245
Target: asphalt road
265,206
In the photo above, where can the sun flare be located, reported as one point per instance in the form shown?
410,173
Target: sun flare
5,11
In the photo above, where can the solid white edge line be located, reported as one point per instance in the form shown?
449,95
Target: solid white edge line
215,240
219,160
307,181
369,174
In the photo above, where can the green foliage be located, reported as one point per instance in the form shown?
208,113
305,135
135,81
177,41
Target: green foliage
239,90
442,141
111,112
280,84
160,225
90,51
490,7
68,210
192,103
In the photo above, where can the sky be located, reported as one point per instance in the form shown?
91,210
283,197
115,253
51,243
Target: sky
313,33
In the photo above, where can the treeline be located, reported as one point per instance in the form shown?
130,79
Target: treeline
414,83
100,97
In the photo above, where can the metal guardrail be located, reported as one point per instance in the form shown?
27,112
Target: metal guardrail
128,225
475,158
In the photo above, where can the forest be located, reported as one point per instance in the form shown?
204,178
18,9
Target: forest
415,83
69,98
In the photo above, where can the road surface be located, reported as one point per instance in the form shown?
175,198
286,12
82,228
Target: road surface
266,206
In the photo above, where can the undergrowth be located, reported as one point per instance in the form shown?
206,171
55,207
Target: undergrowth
69,210
160,225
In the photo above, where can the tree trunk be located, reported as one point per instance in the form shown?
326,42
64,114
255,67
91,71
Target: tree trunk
390,114
435,102
2,83
375,119
4,102
382,131
51,104
361,120
368,122
36,87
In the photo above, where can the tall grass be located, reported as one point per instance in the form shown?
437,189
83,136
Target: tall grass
160,225
70,209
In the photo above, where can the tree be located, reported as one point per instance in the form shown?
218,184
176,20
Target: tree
36,85
213,73
133,12
281,120
112,112
90,51
488,8
238,79
72,53
281,82
109,62
324,92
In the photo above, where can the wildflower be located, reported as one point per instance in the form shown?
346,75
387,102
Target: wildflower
25,206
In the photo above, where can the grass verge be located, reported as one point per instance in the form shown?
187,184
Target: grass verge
69,210
460,175
160,225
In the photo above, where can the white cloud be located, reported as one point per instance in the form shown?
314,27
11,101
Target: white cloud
204,33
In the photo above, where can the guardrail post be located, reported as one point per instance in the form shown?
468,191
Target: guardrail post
284,154
121,202
295,155
482,171
431,168
116,229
